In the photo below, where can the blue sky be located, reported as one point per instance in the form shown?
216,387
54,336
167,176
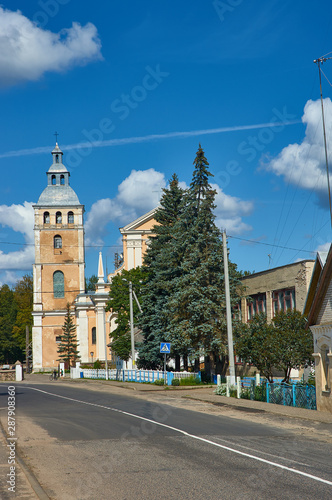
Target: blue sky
133,87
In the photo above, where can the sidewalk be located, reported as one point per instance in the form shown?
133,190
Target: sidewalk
198,393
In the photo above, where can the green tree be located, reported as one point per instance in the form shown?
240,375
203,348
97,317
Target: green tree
90,283
23,297
257,343
119,304
67,348
197,304
162,266
10,352
295,342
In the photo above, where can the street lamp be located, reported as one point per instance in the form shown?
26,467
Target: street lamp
131,319
91,354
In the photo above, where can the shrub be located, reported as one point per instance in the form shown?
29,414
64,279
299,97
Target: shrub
245,393
220,390
175,381
192,380
161,381
97,365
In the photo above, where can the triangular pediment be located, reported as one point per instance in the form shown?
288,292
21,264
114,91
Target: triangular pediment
145,222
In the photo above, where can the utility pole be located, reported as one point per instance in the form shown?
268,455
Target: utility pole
228,313
131,323
319,62
27,349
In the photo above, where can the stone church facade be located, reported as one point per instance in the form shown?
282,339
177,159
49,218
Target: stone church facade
59,277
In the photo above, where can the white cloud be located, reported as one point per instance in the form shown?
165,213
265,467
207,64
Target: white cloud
9,278
141,191
137,194
28,51
304,164
20,219
230,210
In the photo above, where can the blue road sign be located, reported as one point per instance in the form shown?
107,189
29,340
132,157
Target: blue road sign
165,347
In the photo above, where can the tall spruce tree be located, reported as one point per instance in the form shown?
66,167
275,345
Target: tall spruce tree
67,348
197,303
162,267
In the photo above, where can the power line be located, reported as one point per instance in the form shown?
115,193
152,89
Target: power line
268,244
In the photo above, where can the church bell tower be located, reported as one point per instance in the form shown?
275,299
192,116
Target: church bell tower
58,271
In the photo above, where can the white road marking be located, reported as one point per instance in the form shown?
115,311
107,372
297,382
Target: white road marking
208,441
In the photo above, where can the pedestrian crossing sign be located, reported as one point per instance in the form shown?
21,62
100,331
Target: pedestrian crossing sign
165,347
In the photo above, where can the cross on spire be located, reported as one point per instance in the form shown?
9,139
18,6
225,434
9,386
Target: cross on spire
56,136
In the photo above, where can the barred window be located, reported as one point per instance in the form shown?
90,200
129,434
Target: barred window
58,285
57,241
283,300
70,217
256,304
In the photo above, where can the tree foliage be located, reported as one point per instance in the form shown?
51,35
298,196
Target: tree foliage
15,315
186,300
295,342
283,344
119,304
162,267
67,348
90,283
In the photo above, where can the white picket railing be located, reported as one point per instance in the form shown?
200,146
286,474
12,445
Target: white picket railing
128,375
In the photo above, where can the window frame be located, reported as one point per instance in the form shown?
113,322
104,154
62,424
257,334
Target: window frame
59,286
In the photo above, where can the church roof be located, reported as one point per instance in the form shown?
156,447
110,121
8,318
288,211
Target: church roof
58,191
58,196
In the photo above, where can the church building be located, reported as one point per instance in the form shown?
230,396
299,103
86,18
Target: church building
59,278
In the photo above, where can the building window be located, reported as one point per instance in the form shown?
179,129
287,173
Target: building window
58,339
236,312
58,285
256,304
53,180
70,218
46,217
58,217
93,335
283,300
57,241
62,180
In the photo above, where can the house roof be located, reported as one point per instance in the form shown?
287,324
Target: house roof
318,287
137,223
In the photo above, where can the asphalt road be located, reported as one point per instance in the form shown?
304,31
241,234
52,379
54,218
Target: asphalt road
82,444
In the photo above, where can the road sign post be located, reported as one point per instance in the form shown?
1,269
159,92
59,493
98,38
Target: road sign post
165,348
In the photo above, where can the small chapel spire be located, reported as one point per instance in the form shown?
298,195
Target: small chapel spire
100,269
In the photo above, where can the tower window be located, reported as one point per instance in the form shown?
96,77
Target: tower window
56,158
46,217
57,241
70,217
58,285
93,335
53,179
58,217
62,180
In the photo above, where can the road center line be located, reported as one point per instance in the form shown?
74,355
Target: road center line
198,438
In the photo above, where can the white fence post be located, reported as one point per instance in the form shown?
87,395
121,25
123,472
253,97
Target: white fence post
228,382
238,387
258,379
218,380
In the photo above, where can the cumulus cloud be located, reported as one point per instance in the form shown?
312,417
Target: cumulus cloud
230,210
137,194
140,192
20,219
28,51
304,164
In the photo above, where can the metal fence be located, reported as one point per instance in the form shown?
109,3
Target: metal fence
299,395
131,375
